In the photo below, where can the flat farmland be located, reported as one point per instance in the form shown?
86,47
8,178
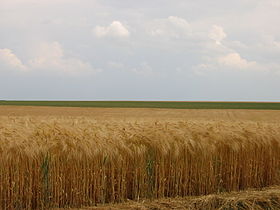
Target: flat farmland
140,114
151,104
74,157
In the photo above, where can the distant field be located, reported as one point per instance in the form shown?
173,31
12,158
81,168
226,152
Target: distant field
142,114
150,104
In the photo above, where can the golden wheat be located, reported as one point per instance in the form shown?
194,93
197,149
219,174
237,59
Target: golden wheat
151,114
61,162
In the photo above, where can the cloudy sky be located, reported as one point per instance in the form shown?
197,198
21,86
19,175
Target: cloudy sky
140,50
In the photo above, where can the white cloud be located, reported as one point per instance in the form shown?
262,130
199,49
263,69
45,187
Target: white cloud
179,22
217,34
230,62
234,60
270,3
10,60
50,56
115,29
144,69
116,65
202,69
269,45
171,27
276,44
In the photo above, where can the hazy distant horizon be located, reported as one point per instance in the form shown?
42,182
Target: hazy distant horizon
137,100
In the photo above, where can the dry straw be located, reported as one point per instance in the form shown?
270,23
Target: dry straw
267,198
67,162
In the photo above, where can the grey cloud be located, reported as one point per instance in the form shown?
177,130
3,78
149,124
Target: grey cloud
177,50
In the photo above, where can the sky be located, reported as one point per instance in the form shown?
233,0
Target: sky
140,50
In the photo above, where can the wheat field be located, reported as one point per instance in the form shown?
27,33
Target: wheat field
59,160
